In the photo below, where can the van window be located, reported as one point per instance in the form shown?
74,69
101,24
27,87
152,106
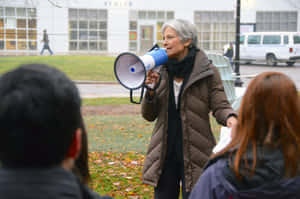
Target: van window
286,39
271,39
296,39
254,39
242,39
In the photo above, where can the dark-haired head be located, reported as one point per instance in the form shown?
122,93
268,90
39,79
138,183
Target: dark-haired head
39,115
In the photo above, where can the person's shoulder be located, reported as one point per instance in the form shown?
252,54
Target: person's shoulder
210,184
213,170
220,159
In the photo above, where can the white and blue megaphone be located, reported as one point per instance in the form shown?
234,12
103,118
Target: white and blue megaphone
131,70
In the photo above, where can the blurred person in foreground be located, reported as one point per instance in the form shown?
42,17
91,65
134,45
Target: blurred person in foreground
189,89
262,160
81,168
40,130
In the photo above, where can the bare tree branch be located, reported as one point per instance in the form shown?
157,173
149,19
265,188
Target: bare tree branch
294,3
55,4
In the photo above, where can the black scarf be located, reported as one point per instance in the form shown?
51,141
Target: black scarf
184,67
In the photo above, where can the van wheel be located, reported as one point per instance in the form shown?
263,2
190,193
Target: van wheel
271,60
290,63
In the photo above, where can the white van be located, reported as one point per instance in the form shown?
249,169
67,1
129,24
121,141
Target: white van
272,47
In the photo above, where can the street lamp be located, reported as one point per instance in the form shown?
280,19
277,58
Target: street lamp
238,82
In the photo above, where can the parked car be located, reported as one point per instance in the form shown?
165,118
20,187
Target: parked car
271,47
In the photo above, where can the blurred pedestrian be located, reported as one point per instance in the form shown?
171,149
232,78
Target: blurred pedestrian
46,41
229,54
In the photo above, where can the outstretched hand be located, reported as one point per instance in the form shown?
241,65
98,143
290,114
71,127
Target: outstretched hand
231,122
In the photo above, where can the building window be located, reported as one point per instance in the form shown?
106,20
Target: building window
87,30
142,14
133,30
276,21
159,37
158,17
215,29
170,15
18,28
133,35
152,14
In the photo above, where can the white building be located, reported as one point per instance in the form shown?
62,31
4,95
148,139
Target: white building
114,26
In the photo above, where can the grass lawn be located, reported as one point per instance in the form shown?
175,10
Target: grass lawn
107,101
117,147
118,133
96,68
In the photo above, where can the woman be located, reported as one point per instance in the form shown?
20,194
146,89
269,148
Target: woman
190,87
262,160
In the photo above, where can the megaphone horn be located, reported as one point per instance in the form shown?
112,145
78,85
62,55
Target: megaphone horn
130,70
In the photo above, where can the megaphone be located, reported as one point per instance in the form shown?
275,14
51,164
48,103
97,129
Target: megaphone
130,70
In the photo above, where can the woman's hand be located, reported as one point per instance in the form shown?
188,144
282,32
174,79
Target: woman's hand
231,122
152,79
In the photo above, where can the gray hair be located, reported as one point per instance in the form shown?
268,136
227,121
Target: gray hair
184,29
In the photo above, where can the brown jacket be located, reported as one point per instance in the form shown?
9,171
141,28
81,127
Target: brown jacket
202,93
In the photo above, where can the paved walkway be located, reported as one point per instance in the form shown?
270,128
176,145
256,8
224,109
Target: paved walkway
95,89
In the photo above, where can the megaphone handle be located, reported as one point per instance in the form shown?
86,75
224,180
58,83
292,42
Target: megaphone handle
153,47
141,97
151,87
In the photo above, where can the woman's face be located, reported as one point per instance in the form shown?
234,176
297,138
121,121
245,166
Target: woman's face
176,49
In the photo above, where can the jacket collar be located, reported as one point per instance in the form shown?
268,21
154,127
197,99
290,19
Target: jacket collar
200,70
201,64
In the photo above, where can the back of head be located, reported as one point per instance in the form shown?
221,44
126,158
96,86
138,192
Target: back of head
270,105
269,117
185,30
39,114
